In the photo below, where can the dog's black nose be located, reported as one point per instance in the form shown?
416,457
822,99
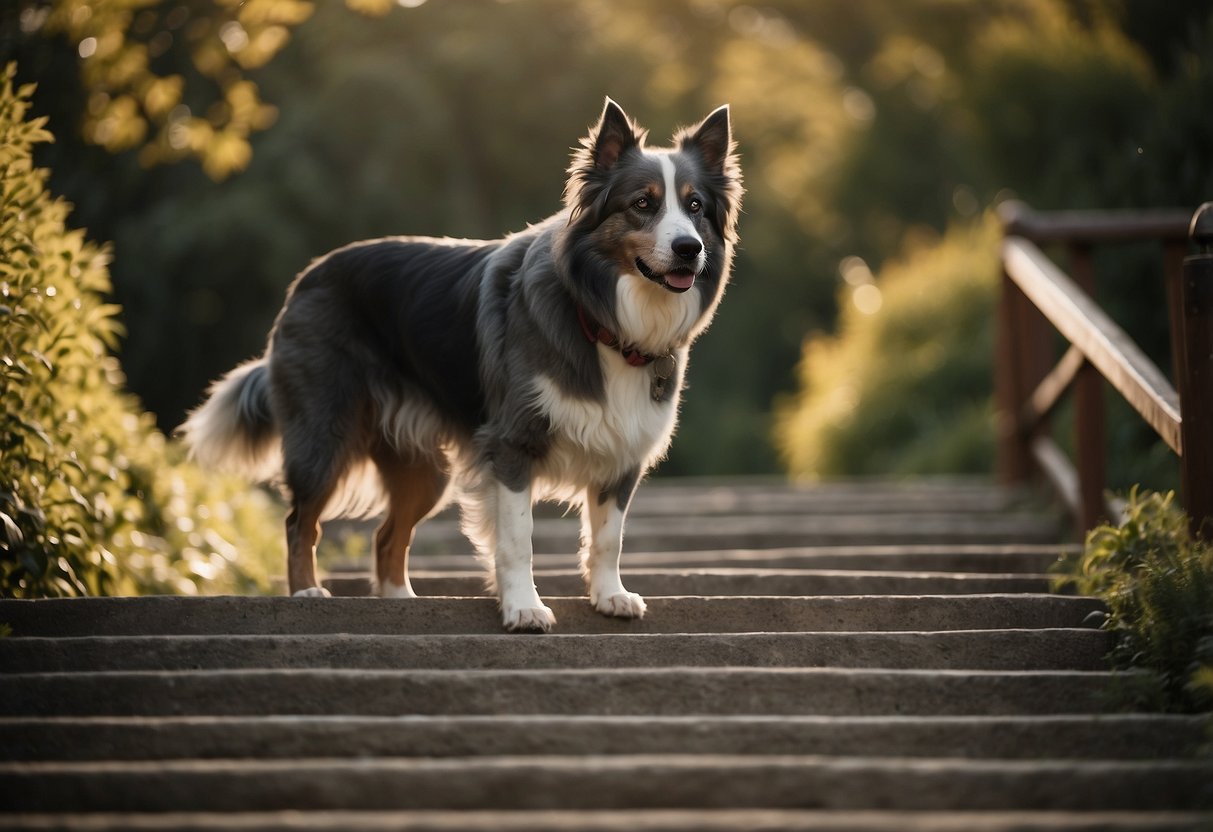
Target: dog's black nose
687,248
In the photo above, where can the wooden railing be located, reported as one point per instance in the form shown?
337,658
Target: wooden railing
1028,386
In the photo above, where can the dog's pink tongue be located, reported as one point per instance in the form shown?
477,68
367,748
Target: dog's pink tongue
680,280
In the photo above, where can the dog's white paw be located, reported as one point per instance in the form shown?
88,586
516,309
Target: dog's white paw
621,605
533,619
387,589
314,592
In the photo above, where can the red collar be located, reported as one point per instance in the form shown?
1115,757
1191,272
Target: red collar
596,332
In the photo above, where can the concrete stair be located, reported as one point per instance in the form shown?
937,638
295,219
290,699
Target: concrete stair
801,666
708,515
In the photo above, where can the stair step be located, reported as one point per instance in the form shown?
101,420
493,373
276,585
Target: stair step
859,656
601,691
612,820
986,558
230,615
624,781
1037,649
738,531
721,581
689,497
1112,736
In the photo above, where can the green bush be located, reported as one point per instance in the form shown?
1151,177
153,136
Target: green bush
93,499
1158,584
904,388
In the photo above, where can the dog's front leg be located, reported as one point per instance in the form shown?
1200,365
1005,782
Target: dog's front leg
521,607
602,541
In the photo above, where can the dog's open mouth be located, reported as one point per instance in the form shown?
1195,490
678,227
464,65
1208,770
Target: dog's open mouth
676,280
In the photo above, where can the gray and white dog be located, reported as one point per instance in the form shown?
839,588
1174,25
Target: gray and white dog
405,372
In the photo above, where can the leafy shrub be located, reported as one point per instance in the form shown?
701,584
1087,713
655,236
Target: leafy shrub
904,388
1158,584
93,499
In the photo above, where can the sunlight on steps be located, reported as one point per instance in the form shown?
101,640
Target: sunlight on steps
850,656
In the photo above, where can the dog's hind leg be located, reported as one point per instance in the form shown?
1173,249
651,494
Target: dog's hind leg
320,442
302,535
414,488
312,482
602,540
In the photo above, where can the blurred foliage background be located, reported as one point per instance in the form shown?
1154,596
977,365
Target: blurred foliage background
92,498
220,145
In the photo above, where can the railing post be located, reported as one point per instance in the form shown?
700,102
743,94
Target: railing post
1196,386
1173,254
1014,457
1089,444
1024,356
1014,462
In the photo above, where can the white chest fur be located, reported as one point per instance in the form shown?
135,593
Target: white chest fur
598,441
651,317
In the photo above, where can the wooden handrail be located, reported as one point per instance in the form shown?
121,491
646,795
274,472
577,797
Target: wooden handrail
1093,226
1096,336
1036,293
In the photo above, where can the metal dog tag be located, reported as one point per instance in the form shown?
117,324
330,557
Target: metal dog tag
663,370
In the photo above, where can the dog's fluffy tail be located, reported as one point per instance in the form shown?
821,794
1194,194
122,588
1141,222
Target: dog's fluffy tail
234,429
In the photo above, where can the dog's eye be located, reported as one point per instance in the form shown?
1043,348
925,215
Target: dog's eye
694,206
642,204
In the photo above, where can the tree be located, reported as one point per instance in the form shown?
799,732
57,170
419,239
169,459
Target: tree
171,79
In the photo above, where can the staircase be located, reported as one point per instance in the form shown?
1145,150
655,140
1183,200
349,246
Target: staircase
857,656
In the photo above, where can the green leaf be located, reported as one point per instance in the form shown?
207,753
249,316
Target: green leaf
12,532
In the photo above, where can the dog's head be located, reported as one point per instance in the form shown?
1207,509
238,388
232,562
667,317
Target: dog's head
666,217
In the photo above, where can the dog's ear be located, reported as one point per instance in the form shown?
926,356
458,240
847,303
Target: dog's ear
712,139
613,136
587,191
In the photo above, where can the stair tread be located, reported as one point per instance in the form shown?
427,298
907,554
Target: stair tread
1010,649
1073,736
938,556
718,581
637,781
669,614
648,820
675,532
686,690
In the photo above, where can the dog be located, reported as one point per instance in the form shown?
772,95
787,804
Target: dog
406,372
